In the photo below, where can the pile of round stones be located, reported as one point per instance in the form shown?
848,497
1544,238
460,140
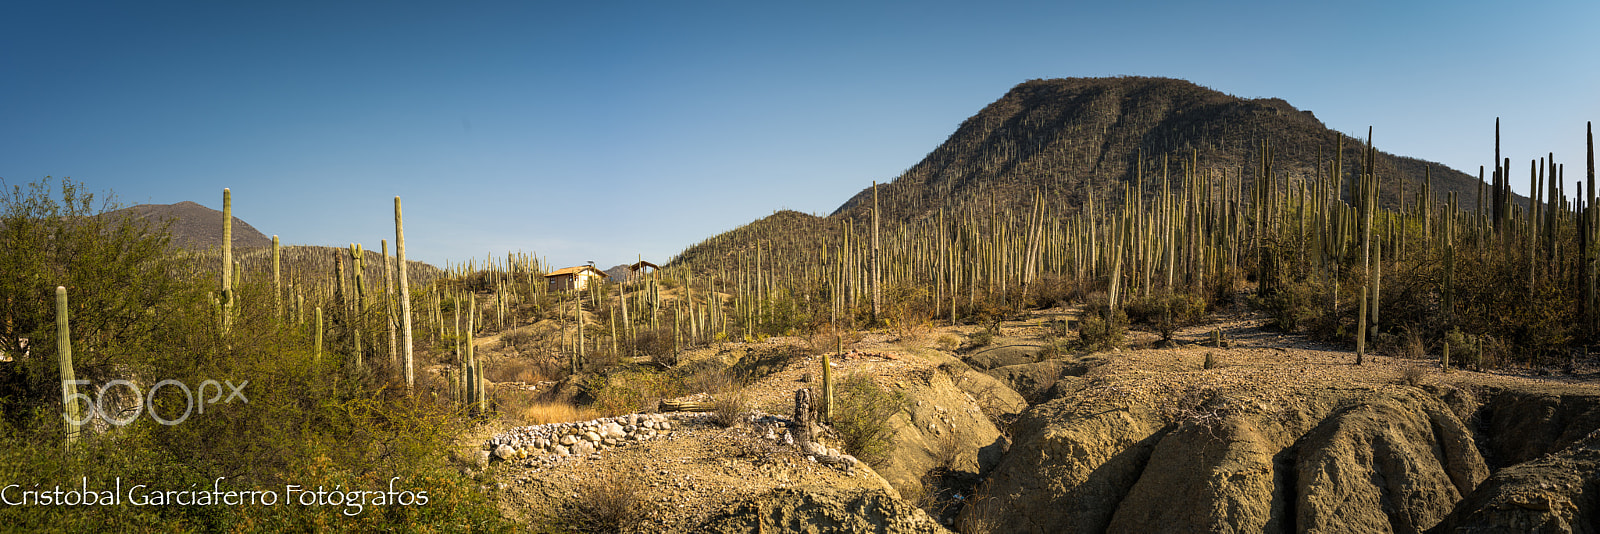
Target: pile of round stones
561,440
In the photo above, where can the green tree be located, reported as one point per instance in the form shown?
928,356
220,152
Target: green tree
119,269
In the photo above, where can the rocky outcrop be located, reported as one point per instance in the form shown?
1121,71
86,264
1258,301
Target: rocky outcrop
1354,459
824,510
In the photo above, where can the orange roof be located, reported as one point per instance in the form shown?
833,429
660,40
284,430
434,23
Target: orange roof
576,270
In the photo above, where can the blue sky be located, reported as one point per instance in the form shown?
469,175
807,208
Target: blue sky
639,128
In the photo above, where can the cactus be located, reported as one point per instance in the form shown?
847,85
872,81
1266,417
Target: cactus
388,301
356,255
1361,328
405,297
1445,363
877,292
1377,284
69,379
277,279
318,343
227,260
478,381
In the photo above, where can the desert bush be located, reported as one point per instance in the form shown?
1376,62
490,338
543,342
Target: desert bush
907,309
1413,375
1294,305
1051,289
1102,329
1166,311
141,312
861,415
707,376
1464,348
607,505
729,409
948,342
1225,287
981,338
630,390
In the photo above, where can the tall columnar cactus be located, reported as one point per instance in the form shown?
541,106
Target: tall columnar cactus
356,256
69,379
475,383
227,260
318,340
877,292
827,389
277,279
388,301
405,297
1444,363
1361,328
1377,281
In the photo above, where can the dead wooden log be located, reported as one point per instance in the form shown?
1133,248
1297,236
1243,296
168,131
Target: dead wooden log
668,405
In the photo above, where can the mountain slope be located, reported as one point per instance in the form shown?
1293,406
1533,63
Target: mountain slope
197,227
1079,138
1058,136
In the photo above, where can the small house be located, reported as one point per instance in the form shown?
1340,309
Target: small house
573,278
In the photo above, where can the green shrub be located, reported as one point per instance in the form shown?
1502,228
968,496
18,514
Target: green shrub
141,313
1464,348
861,413
1102,329
981,338
1167,311
1294,305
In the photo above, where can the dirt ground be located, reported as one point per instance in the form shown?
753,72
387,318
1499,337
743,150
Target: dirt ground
701,470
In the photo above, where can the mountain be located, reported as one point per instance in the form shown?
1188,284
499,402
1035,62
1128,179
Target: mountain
1059,136
1067,139
197,227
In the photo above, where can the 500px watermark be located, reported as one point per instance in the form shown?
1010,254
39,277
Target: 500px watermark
96,407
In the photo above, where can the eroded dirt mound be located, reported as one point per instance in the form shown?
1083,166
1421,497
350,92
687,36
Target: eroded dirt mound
815,510
1034,380
1003,355
1559,493
1255,449
942,427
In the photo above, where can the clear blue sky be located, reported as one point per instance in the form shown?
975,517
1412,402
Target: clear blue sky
623,128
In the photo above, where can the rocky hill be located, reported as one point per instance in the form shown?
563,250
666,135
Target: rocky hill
1062,136
197,227
1071,140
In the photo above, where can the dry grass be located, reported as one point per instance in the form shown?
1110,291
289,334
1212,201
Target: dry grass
543,413
1413,375
730,409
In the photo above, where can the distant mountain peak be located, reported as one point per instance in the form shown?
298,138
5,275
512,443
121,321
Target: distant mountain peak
1066,137
197,227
